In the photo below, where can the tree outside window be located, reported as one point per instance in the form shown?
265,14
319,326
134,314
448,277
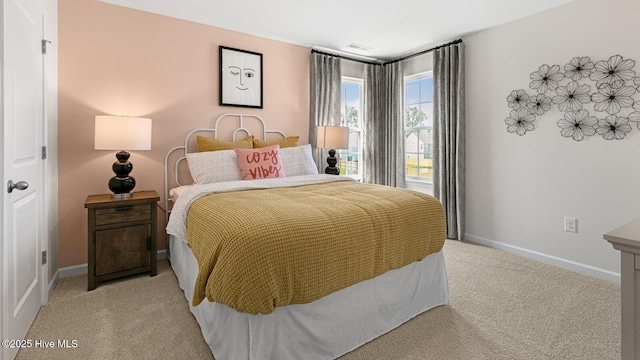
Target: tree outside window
350,116
419,127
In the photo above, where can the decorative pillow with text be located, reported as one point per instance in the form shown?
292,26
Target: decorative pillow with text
262,163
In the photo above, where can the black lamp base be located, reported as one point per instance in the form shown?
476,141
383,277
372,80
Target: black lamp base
122,184
332,160
121,187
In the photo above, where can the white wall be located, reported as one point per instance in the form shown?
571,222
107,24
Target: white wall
519,188
352,69
418,64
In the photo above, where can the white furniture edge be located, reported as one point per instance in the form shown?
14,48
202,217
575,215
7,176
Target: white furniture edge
626,238
545,258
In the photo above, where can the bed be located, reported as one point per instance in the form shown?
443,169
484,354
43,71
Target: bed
324,280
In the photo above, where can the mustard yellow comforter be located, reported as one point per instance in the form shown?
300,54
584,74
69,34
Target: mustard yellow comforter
260,249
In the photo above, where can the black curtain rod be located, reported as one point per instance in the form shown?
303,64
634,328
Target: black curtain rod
344,57
424,51
388,62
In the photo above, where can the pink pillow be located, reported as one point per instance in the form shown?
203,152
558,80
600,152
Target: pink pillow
261,163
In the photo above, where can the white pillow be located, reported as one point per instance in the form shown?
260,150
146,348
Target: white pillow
214,166
298,160
219,166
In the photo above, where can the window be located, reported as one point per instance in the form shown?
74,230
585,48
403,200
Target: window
351,117
418,127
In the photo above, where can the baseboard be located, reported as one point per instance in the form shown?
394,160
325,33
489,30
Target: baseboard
82,269
53,283
545,258
72,270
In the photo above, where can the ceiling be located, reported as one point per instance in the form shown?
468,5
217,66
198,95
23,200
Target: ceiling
390,29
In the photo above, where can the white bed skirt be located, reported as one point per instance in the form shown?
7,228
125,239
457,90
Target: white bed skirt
324,329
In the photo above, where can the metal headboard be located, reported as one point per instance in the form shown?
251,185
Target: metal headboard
239,117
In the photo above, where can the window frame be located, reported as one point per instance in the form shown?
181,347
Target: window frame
359,129
407,79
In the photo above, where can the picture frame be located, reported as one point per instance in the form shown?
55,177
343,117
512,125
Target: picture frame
240,78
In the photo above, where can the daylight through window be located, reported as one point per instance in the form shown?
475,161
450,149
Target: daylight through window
351,116
418,127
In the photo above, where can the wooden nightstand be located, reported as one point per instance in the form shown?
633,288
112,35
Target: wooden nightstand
122,236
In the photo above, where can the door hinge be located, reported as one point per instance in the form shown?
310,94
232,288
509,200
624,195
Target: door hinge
44,153
44,46
44,257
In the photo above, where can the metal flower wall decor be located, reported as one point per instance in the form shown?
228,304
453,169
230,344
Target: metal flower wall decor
596,98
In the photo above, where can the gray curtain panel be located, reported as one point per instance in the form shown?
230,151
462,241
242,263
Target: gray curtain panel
384,124
326,79
449,135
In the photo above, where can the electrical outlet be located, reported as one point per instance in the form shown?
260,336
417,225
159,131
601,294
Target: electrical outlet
570,224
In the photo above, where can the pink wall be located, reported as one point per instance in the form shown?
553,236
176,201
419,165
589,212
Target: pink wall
115,60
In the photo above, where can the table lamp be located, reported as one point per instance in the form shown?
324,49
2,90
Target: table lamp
332,137
122,133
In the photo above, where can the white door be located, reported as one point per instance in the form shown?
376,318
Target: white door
23,164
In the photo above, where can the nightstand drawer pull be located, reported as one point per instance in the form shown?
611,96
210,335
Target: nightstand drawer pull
122,214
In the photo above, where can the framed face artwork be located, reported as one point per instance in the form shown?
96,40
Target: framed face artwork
240,78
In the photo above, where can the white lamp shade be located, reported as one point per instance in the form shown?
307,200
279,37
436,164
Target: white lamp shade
332,137
122,133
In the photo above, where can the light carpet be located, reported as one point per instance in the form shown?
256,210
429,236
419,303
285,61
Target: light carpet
502,307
